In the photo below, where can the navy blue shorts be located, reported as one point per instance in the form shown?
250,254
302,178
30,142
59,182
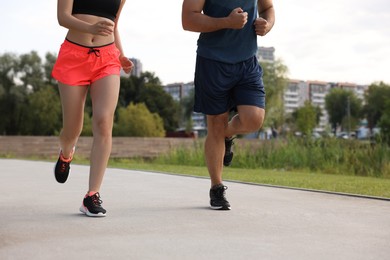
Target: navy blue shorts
220,87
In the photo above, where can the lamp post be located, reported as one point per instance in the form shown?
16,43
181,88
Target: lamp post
349,116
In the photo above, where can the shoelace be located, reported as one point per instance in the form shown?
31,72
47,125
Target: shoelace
94,51
96,199
220,191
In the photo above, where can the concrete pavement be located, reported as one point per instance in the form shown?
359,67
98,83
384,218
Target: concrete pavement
162,216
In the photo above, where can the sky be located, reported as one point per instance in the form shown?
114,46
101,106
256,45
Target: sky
334,40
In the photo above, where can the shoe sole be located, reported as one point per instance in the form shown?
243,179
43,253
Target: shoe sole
220,208
89,214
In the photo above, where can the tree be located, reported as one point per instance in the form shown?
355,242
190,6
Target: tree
13,95
160,102
50,59
137,120
43,115
187,107
87,125
275,82
306,118
384,123
148,90
31,71
343,107
375,102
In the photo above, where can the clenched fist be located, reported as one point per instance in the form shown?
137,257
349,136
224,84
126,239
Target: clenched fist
261,26
238,18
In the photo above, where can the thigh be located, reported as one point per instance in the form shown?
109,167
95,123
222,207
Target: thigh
250,89
214,82
104,95
72,101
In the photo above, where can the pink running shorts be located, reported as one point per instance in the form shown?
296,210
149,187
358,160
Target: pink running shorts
79,65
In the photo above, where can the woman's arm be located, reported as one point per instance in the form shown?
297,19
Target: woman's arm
67,20
118,42
127,65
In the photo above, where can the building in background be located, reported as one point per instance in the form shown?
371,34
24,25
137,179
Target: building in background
317,93
178,91
296,93
266,54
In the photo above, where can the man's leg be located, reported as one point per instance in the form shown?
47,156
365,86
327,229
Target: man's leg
215,146
214,151
247,120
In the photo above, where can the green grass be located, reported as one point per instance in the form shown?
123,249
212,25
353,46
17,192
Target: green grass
369,186
328,165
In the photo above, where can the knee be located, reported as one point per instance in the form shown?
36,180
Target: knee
216,125
103,127
253,123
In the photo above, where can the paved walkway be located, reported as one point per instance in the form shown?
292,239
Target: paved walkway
161,216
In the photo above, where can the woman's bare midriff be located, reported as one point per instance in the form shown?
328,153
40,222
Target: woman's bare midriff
88,39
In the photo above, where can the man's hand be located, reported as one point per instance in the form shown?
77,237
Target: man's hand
238,18
261,26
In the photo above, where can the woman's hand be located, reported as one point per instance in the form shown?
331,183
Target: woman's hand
127,65
103,28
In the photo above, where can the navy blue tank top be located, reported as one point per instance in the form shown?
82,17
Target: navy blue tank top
229,45
101,8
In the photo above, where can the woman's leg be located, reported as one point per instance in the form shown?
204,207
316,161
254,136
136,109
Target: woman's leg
73,101
104,94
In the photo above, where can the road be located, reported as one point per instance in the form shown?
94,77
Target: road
154,215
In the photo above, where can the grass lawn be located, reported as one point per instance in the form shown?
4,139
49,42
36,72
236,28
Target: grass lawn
378,187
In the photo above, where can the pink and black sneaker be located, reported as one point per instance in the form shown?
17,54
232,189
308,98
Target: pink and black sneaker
92,206
62,168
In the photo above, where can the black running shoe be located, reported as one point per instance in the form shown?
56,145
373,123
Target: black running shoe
217,198
228,157
92,206
62,168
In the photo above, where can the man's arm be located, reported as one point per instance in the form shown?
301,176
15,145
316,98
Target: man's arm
194,20
266,19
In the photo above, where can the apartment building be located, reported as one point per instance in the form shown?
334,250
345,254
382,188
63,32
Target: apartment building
295,95
317,93
179,90
266,54
359,90
297,92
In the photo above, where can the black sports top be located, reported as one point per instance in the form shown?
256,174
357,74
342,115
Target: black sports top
102,8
